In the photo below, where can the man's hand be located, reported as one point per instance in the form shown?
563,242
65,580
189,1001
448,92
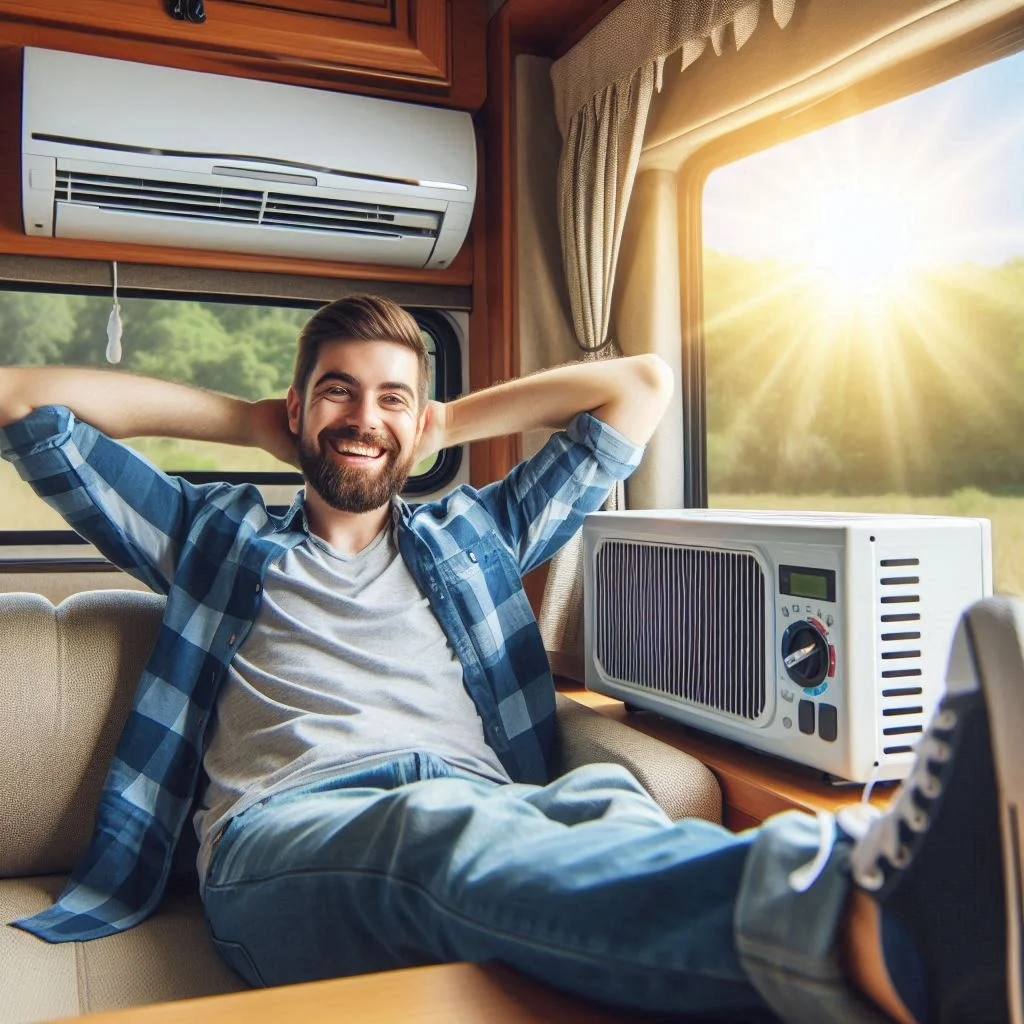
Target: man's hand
435,431
269,420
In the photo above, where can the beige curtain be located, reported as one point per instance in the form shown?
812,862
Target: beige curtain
603,91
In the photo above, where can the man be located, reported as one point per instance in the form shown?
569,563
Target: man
364,687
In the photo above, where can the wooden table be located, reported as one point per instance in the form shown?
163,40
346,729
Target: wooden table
447,994
754,786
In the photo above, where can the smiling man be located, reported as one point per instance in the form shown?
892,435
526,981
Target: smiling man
354,702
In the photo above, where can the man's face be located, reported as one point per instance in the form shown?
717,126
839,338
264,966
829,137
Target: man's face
358,423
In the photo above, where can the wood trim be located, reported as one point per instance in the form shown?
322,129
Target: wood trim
413,44
462,85
754,786
551,29
519,26
353,10
442,994
496,358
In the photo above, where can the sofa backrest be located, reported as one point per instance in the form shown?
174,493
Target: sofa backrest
67,676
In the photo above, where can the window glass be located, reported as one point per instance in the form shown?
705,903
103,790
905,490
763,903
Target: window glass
242,349
864,314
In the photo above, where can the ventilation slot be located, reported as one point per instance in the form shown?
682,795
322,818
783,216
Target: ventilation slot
240,205
161,198
684,622
300,212
900,653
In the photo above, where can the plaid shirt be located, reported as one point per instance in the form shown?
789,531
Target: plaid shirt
207,549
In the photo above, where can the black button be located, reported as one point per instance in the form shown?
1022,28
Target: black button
828,722
805,716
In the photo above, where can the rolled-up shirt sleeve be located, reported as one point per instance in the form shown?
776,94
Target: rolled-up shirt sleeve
135,514
544,500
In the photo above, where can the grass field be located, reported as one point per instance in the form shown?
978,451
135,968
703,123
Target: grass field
1007,515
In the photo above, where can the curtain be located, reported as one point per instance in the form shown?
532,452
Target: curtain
603,91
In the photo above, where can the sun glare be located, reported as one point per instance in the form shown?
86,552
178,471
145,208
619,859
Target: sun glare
865,239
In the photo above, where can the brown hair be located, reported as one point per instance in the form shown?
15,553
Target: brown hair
360,318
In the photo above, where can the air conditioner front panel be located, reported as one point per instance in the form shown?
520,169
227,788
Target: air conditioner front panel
860,614
92,222
688,622
321,174
74,101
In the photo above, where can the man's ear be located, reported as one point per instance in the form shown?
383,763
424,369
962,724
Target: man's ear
294,405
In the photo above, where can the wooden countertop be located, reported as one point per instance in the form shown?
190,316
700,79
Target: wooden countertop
754,786
445,994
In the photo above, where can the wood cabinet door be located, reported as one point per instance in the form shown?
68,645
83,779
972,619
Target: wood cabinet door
388,43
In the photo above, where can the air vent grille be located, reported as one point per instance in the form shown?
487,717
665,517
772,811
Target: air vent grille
189,201
899,588
682,621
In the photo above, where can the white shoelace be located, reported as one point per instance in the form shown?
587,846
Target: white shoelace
877,834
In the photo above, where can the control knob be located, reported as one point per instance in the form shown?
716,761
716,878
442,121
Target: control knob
805,654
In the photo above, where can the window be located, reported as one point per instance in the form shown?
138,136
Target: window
239,348
863,296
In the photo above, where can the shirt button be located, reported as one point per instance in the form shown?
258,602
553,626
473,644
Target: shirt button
232,639
259,587
472,556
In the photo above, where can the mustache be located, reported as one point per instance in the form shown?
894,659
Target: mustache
367,437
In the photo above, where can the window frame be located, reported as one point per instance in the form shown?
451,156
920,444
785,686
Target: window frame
1002,38
448,376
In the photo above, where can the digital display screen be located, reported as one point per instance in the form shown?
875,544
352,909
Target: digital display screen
805,584
813,584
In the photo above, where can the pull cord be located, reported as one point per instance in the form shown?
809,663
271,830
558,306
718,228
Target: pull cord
114,327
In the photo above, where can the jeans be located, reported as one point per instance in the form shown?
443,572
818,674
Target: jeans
583,883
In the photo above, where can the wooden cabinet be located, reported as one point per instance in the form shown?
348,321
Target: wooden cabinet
429,50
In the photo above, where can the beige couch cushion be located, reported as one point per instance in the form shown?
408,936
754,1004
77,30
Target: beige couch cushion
67,676
682,786
168,956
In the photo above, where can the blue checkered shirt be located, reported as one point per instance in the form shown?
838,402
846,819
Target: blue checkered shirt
207,549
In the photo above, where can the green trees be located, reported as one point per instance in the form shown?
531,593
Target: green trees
245,350
918,389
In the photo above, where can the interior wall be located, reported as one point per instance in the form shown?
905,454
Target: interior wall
646,318
829,45
545,333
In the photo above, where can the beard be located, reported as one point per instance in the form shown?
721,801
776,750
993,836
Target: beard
350,488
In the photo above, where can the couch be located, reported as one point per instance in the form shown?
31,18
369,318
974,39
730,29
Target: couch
67,675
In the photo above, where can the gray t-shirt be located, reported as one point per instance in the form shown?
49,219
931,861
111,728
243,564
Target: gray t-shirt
345,664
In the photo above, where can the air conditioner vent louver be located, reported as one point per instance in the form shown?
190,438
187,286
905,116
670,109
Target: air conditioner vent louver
684,621
184,200
900,654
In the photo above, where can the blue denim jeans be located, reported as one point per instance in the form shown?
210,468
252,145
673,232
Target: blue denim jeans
583,883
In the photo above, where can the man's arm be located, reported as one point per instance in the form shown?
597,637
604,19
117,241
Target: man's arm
629,394
56,427
542,502
125,405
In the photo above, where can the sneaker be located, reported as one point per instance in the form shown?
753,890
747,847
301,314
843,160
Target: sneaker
944,861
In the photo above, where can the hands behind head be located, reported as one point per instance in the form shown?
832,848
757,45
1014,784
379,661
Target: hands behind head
269,424
435,430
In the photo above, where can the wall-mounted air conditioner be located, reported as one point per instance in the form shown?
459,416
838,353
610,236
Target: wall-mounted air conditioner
125,152
822,638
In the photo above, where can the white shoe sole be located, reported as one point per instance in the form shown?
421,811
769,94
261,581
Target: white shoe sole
997,641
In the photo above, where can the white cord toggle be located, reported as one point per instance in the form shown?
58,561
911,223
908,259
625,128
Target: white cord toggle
114,327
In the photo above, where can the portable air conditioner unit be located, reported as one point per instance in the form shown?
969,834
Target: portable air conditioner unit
822,638
124,152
